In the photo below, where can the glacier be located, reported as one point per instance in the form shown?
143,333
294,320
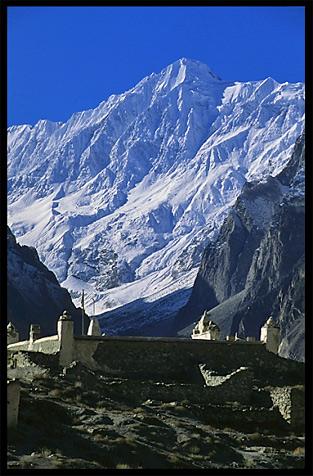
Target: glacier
121,200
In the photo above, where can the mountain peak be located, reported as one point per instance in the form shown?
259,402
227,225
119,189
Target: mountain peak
185,71
189,69
194,65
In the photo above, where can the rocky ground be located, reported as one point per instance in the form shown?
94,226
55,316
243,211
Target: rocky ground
74,419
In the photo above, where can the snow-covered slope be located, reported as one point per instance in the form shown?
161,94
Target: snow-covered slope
121,200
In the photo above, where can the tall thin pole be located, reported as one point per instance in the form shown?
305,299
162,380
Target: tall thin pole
94,306
83,312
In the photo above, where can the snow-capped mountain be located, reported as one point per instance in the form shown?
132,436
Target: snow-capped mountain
121,200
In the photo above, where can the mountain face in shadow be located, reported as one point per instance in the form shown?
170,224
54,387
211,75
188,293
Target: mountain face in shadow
256,268
34,295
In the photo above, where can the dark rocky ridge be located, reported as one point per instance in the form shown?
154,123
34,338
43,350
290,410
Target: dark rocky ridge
259,253
34,295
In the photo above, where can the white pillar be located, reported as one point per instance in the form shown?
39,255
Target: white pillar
94,327
270,334
66,338
13,402
34,334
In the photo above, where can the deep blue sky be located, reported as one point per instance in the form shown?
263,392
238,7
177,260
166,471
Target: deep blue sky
67,59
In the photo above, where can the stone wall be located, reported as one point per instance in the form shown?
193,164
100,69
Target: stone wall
166,359
242,375
139,391
47,345
203,372
21,345
249,419
26,364
298,406
84,349
290,403
172,360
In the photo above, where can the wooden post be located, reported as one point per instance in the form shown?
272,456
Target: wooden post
94,306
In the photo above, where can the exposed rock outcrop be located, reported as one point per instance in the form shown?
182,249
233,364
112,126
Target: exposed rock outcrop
33,292
259,257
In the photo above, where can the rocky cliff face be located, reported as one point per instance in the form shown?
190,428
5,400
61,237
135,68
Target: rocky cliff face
255,268
33,292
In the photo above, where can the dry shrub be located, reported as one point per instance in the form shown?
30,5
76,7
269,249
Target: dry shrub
75,421
195,449
88,395
211,455
55,392
131,441
45,452
41,376
25,464
120,440
179,423
56,463
64,393
100,437
166,405
174,459
300,450
185,402
101,403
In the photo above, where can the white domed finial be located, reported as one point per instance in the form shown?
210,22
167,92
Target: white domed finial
270,334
